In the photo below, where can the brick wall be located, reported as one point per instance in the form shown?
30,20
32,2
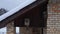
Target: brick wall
53,23
10,28
24,30
54,1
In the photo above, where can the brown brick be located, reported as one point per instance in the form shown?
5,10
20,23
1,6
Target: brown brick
11,29
53,22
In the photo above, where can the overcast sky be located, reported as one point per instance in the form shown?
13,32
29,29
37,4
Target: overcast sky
10,4
4,29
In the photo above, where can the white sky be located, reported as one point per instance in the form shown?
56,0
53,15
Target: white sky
10,4
4,29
